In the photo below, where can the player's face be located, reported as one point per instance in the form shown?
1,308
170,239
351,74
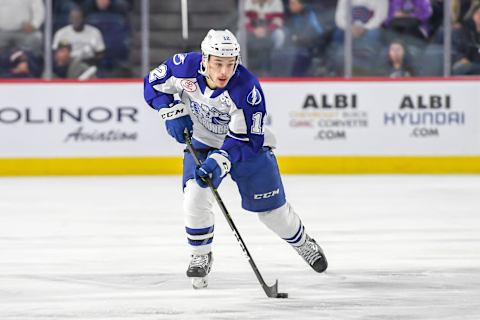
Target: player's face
220,70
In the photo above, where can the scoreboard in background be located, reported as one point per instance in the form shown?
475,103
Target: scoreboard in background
354,126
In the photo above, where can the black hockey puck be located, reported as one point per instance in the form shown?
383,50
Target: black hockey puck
282,295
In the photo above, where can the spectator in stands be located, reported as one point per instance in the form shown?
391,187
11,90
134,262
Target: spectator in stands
303,40
468,45
110,17
409,18
86,40
367,18
264,24
64,66
20,22
61,12
431,62
460,10
398,61
325,10
17,63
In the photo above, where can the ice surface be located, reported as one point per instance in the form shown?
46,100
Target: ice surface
399,247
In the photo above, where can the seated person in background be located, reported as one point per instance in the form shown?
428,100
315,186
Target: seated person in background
16,63
398,61
66,67
325,10
111,19
20,22
264,32
303,36
367,19
86,41
409,18
460,10
61,11
467,44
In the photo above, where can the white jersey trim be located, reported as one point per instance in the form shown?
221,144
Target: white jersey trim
237,124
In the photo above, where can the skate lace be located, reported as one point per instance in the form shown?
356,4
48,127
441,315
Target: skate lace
309,252
200,261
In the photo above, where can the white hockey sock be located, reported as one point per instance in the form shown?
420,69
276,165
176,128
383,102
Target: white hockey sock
199,217
285,223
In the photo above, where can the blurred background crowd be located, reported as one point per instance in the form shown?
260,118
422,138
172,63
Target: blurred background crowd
85,39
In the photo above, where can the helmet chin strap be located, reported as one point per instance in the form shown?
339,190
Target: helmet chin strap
204,67
203,70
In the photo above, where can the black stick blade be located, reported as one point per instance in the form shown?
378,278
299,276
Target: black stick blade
272,291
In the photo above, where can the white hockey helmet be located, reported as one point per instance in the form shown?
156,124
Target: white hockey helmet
220,43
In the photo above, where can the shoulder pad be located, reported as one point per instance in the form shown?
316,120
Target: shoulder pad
184,65
180,65
247,89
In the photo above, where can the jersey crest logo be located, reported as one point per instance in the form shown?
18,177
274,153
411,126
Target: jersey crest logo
188,85
179,59
211,118
254,97
158,73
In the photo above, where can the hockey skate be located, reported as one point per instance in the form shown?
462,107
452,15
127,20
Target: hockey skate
199,268
312,254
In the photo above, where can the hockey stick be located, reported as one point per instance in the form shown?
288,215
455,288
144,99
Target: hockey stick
270,291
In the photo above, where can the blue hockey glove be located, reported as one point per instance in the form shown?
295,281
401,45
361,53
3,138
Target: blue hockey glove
176,127
177,120
216,166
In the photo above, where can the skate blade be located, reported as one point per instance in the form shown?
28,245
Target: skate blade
199,282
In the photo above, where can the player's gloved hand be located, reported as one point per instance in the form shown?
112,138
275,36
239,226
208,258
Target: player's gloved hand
216,167
177,120
176,127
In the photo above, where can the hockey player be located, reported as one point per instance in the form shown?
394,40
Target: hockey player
222,104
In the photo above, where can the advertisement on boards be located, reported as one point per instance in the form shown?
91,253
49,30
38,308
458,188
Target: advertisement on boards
80,120
322,118
375,118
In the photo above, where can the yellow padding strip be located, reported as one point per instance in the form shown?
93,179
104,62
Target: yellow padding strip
90,166
288,165
379,164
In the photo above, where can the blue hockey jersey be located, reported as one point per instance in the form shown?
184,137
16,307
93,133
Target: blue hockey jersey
229,118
